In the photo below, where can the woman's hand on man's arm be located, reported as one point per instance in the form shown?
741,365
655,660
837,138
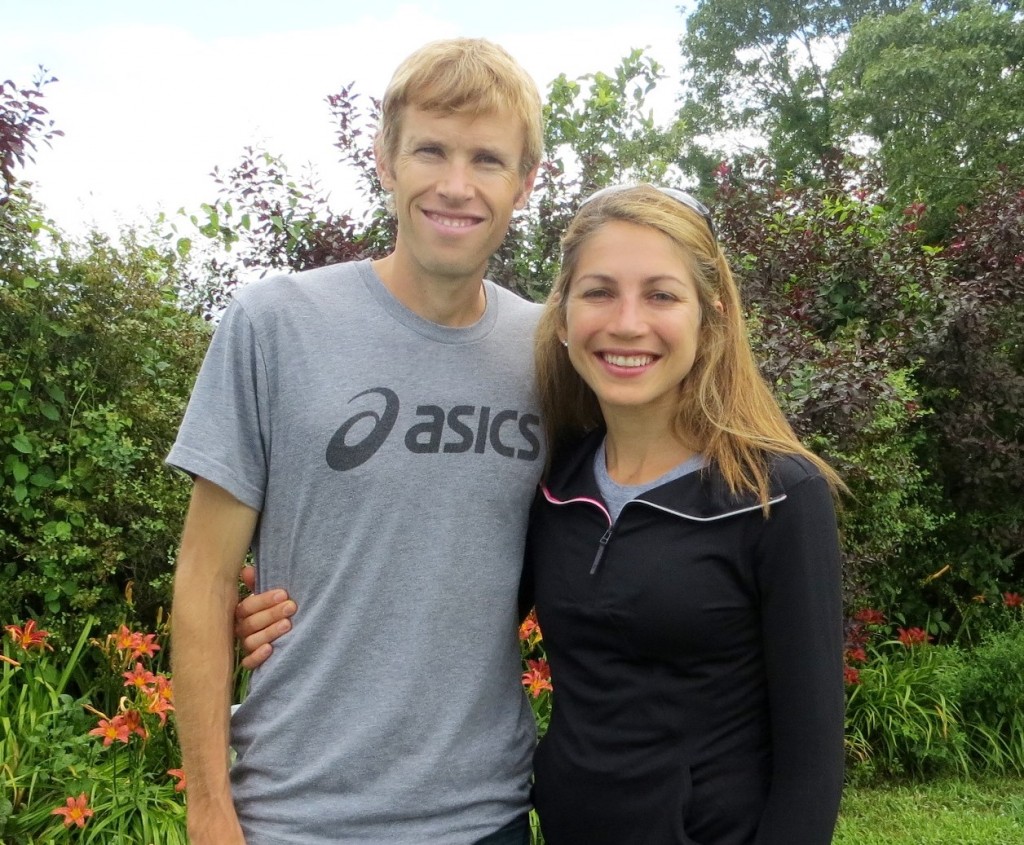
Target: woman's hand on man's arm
260,619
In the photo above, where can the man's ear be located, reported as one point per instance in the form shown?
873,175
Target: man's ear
524,193
384,172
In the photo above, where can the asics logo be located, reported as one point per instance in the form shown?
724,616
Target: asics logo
463,428
342,455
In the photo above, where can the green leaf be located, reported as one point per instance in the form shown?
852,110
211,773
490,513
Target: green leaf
56,394
29,283
19,470
44,477
49,411
22,444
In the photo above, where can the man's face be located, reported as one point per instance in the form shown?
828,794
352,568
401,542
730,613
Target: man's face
455,182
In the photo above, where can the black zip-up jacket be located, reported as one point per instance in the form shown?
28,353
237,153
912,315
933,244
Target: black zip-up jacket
696,657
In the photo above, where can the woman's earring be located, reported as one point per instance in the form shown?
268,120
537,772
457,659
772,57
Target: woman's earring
565,343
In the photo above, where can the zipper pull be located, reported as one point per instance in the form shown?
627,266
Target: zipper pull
602,545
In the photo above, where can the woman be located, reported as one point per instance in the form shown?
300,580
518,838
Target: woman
682,554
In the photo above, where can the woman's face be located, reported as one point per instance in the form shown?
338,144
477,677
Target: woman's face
632,318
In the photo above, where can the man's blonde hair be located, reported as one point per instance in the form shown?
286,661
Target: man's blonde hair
463,76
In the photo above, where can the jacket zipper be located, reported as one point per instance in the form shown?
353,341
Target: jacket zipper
601,546
603,543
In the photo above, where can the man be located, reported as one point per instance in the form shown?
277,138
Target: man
371,431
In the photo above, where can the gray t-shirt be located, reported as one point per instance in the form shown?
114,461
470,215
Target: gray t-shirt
393,462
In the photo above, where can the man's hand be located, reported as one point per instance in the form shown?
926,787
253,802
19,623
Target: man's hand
260,619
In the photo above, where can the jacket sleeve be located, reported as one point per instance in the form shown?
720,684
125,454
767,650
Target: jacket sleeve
800,582
526,582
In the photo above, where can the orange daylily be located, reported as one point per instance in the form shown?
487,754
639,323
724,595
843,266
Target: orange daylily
75,811
133,722
181,785
537,678
162,688
28,637
144,645
530,629
160,706
112,729
139,677
139,644
124,639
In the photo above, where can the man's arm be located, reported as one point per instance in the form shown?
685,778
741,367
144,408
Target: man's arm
217,534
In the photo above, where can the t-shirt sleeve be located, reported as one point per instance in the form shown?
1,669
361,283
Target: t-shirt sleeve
225,434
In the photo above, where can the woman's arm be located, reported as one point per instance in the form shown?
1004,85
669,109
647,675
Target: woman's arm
800,577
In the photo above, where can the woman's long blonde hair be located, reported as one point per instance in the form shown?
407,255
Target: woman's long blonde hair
725,409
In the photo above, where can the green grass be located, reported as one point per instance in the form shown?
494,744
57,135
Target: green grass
987,811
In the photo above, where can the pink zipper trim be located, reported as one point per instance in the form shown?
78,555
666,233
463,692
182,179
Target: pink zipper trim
548,495
603,542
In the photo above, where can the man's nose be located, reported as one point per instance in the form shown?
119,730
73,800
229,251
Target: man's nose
456,182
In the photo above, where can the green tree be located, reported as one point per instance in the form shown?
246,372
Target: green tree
940,88
761,71
599,130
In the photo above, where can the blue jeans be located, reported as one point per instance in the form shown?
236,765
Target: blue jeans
515,833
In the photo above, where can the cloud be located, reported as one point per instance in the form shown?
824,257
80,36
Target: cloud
149,110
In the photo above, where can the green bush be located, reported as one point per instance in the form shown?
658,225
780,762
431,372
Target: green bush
991,693
96,364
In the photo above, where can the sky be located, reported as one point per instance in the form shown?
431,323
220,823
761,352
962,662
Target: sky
152,95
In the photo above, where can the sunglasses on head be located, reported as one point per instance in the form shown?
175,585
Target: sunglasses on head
681,197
